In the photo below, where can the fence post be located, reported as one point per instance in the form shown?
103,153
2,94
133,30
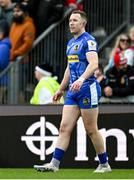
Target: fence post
13,89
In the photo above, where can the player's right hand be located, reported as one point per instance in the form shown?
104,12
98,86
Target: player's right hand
57,95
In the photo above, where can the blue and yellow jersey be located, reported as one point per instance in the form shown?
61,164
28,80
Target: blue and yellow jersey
76,55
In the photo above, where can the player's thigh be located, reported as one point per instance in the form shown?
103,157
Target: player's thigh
90,117
70,115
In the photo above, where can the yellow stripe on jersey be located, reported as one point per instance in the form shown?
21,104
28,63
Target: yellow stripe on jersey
73,58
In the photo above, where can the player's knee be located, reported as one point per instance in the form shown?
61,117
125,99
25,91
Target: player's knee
91,131
64,128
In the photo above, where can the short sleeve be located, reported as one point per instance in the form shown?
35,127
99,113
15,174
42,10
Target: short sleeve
90,45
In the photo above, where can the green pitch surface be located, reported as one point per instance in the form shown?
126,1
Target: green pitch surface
65,174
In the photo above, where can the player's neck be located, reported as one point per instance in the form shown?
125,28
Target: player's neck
78,34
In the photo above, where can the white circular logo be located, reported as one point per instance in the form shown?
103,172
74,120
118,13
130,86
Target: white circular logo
42,138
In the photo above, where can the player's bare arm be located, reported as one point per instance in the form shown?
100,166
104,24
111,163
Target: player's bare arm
63,85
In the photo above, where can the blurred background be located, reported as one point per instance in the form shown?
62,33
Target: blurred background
106,20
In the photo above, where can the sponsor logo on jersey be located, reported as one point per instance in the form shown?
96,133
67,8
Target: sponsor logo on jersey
73,58
92,45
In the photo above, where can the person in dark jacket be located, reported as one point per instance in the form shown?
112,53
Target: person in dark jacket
119,78
45,12
5,46
6,10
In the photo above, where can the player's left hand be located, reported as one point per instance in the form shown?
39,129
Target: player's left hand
76,86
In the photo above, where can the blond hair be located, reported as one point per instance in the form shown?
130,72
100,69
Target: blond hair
117,43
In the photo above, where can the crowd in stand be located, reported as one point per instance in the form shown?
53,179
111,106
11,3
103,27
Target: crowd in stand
22,21
25,20
117,80
26,17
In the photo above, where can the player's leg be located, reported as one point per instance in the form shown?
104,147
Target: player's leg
70,115
90,117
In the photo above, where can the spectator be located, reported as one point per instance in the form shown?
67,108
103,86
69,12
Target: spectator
122,45
131,35
119,78
101,78
22,33
46,87
73,3
6,10
5,46
45,12
99,73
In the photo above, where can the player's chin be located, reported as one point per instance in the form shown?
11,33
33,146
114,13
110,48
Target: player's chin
72,31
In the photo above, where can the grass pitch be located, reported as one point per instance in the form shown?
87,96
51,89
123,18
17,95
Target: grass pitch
64,174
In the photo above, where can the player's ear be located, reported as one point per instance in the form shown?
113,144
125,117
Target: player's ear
84,23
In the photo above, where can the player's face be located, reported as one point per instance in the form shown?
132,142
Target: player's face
76,24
